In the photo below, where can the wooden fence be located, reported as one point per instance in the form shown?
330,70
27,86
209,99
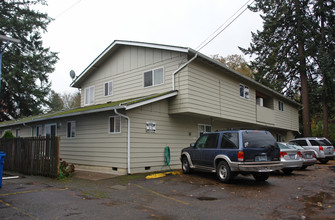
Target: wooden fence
32,156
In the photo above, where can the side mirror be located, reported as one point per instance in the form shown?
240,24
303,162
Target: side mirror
192,145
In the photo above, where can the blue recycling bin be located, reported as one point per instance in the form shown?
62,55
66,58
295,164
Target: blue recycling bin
2,160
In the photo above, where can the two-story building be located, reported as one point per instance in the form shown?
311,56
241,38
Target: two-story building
138,98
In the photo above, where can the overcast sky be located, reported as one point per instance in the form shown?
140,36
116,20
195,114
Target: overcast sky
82,29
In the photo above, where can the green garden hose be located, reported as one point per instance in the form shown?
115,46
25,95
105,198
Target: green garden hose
167,157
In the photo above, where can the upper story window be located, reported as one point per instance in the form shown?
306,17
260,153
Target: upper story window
280,106
244,91
89,95
109,88
153,77
71,129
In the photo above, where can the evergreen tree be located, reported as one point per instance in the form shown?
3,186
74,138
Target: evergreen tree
55,102
281,50
323,45
25,67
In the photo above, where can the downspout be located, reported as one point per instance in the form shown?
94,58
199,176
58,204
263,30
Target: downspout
180,68
128,119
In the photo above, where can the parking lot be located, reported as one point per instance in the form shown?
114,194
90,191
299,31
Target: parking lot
306,194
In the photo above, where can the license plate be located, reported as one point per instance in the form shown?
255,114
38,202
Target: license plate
292,156
308,156
260,158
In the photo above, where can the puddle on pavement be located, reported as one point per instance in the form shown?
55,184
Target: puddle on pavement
205,198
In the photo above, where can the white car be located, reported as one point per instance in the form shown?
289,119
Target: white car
290,158
308,156
323,149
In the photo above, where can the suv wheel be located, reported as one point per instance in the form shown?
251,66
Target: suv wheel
223,172
260,177
323,161
185,166
287,171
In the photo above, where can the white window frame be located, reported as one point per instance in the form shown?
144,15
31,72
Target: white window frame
72,127
246,91
109,124
49,125
153,77
39,128
109,92
89,95
281,106
205,126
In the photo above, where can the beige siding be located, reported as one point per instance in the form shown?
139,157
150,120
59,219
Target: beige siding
125,68
207,91
287,119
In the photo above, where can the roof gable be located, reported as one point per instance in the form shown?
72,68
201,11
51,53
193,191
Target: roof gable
112,48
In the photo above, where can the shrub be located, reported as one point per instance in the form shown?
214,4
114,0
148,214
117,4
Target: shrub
8,134
65,170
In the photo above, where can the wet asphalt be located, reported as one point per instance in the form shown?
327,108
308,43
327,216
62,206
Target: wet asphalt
305,194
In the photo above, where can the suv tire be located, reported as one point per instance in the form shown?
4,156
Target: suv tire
287,171
223,172
323,161
261,177
185,165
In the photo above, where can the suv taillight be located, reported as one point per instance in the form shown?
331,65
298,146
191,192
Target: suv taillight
320,148
240,156
299,153
282,154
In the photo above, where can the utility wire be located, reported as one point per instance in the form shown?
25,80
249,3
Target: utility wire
63,12
203,44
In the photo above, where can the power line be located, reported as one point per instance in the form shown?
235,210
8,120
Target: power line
203,44
63,12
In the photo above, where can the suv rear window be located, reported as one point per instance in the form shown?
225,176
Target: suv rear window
257,139
319,143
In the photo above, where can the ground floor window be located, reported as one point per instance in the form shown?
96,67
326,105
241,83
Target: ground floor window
202,128
280,138
71,129
115,124
39,131
51,130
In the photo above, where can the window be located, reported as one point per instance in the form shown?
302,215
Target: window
204,128
281,106
89,95
280,138
109,88
244,91
71,129
153,77
229,141
51,130
208,141
115,124
17,132
39,131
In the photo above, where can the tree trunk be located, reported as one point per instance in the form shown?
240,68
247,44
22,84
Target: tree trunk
303,75
325,118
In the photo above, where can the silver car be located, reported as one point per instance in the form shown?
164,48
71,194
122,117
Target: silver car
323,149
290,158
308,156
